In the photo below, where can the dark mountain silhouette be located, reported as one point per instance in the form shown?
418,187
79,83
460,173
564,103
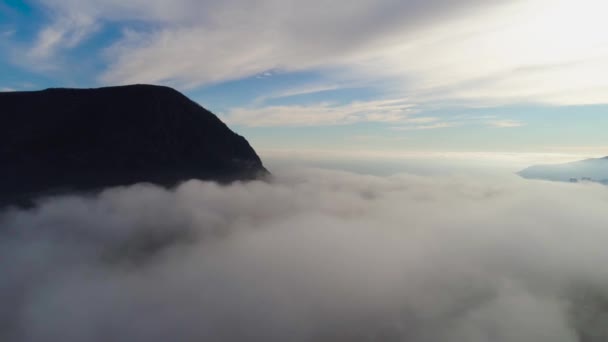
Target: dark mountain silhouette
59,140
593,170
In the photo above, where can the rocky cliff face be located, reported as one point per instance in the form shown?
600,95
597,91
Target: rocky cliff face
59,140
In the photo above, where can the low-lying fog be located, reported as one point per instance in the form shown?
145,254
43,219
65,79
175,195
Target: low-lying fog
317,255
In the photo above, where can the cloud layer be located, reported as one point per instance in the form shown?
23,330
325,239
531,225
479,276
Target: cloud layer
314,256
387,111
236,38
471,51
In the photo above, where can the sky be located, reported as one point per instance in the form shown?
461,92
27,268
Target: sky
371,77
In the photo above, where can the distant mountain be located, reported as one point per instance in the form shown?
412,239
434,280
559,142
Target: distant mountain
59,140
595,170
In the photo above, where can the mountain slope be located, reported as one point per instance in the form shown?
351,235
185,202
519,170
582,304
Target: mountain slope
86,139
590,170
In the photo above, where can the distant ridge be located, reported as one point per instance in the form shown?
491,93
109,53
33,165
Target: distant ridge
60,140
591,170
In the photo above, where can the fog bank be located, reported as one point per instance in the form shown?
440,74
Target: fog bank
316,255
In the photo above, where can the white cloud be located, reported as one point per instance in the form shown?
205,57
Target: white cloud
440,51
418,126
314,256
505,123
515,160
425,123
302,90
218,41
367,138
519,53
67,31
388,111
294,36
401,114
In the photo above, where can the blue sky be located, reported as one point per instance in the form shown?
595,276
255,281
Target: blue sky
375,76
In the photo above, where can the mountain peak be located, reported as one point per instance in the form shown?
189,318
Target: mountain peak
87,139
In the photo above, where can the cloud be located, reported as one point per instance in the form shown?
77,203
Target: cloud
425,123
302,90
505,123
401,114
297,37
518,53
67,31
388,111
292,35
425,126
467,51
314,256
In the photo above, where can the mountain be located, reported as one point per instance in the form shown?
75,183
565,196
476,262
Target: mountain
59,140
595,170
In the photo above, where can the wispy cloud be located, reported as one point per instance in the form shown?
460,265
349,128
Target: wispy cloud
300,35
367,138
400,114
482,56
438,51
303,90
505,123
264,74
65,32
306,89
387,111
426,123
417,127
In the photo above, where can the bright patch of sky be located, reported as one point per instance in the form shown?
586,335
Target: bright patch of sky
372,76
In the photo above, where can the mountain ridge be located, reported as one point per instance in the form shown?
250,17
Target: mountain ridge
68,139
592,169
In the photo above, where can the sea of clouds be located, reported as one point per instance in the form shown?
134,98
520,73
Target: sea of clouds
315,255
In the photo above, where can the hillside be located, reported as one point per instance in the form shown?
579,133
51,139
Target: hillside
595,170
60,140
